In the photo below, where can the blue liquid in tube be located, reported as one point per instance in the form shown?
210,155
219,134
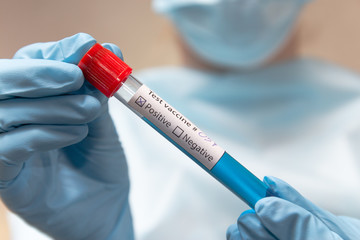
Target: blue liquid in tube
230,173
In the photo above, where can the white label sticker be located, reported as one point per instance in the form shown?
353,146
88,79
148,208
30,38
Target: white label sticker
174,125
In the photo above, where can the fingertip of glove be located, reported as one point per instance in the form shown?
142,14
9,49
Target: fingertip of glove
75,47
270,181
266,204
276,186
92,108
78,76
249,211
70,49
67,77
83,131
82,37
71,134
271,184
115,49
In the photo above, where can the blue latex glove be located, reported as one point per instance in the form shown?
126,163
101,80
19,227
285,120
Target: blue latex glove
62,168
290,216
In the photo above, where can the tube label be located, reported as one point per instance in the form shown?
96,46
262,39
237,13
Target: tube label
177,127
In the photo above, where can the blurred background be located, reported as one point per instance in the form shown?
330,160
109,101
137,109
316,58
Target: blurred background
328,29
145,38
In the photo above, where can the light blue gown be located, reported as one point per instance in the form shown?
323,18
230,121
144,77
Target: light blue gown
299,121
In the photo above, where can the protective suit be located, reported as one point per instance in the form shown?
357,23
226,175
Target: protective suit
298,121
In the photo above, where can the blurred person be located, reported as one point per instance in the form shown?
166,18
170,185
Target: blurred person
295,118
292,117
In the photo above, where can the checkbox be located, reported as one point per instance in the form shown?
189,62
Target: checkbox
140,101
178,132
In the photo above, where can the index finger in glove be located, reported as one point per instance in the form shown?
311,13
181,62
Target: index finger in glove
283,190
65,109
69,50
289,221
37,78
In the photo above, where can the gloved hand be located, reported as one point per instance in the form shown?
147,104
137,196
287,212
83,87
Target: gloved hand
62,168
290,216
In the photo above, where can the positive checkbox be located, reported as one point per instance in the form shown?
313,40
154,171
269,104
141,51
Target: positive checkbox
140,101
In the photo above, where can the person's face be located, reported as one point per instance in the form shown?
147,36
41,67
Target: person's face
238,34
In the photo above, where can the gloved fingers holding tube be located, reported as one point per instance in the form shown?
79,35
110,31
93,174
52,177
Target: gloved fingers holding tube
288,215
34,110
69,51
60,155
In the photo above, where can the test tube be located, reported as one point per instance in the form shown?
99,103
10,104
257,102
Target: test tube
109,74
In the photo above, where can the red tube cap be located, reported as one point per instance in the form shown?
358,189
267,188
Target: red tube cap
103,69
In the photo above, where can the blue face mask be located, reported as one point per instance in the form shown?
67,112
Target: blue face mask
233,33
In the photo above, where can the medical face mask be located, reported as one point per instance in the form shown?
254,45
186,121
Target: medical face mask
233,33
